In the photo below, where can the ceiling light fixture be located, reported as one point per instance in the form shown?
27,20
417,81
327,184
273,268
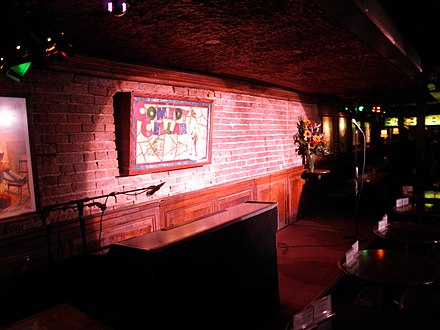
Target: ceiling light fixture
58,47
16,72
117,7
212,42
15,65
31,38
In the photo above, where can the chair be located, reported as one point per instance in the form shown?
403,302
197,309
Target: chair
22,166
19,185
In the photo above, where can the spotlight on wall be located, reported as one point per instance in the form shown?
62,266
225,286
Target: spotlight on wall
117,7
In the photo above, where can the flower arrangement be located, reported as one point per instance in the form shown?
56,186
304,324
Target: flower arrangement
309,140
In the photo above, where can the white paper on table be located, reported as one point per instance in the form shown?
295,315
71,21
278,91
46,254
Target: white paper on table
355,247
322,308
381,225
304,319
349,257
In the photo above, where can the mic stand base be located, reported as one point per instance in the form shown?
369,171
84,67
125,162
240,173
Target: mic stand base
355,237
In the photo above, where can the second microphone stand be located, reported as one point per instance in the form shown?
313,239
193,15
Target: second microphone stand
359,183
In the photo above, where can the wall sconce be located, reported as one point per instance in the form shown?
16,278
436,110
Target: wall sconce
117,7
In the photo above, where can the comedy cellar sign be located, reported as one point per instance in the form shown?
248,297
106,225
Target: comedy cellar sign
164,134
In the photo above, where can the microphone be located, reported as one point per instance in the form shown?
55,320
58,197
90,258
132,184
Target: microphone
153,189
356,124
103,207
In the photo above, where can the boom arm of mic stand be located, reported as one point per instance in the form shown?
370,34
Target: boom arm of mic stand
153,189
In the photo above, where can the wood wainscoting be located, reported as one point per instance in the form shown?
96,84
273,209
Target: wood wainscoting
36,246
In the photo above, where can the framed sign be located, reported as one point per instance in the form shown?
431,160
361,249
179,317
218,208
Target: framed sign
17,194
161,134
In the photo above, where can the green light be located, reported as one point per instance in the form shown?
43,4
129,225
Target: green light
17,72
21,69
361,108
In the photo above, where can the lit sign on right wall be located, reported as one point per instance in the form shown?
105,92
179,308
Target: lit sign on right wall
410,121
432,120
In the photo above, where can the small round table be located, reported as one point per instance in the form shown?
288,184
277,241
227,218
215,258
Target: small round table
410,232
391,269
420,211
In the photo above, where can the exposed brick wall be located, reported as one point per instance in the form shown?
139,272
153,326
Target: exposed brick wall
74,136
75,157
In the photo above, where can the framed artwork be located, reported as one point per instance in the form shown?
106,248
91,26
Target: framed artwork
327,128
367,131
163,134
17,195
343,135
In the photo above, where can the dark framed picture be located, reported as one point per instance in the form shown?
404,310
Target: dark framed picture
162,134
343,134
327,129
17,195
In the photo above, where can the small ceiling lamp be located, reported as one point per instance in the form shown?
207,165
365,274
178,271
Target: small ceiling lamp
58,47
16,72
15,66
117,7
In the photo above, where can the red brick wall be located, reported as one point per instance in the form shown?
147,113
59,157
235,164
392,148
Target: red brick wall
74,136
75,156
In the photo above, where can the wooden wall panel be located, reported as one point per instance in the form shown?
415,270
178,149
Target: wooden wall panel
117,225
294,186
273,188
187,210
234,198
234,194
284,188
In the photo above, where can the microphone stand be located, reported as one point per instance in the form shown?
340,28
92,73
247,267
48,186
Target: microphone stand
358,187
79,205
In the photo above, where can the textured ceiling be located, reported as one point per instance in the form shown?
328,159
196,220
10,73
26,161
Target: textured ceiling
316,47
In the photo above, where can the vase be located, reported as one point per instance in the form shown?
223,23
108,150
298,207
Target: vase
310,161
